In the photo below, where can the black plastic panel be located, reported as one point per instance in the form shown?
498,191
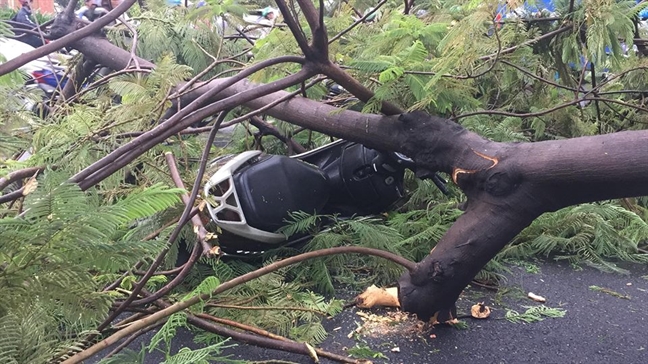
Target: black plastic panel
277,184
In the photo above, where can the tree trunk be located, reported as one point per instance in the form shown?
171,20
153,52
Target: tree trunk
508,185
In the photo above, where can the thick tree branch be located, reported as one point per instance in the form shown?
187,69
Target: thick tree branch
368,129
178,123
163,130
18,175
65,40
319,48
295,28
508,185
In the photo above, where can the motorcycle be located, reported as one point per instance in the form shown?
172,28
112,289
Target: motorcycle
250,195
46,74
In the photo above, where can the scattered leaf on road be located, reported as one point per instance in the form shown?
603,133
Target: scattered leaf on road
610,292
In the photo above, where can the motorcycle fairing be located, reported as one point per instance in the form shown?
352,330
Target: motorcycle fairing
275,185
252,194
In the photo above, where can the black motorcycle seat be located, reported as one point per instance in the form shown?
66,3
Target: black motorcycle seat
276,185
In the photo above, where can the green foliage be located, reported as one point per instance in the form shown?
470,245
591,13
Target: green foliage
365,352
608,24
24,338
290,308
62,245
597,234
207,286
534,314
609,291
205,355
168,331
53,251
411,234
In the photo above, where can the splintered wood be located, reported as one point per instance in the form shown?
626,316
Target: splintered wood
374,296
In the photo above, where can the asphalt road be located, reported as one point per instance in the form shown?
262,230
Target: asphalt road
598,326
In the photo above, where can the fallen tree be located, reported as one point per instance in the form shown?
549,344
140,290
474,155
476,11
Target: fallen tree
507,185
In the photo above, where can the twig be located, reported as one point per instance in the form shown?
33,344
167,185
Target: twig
581,79
189,202
258,331
356,11
199,228
357,22
105,79
619,102
548,111
486,286
497,55
529,42
129,320
264,308
238,30
524,115
149,273
531,74
284,345
133,46
12,196
206,70
272,104
82,71
596,102
169,272
267,128
132,338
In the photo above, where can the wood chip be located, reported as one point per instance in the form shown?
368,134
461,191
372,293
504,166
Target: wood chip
480,311
536,297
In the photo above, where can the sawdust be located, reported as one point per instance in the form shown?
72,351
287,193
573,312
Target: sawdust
394,323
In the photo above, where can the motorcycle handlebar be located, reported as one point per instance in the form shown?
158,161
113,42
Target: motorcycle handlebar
403,161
